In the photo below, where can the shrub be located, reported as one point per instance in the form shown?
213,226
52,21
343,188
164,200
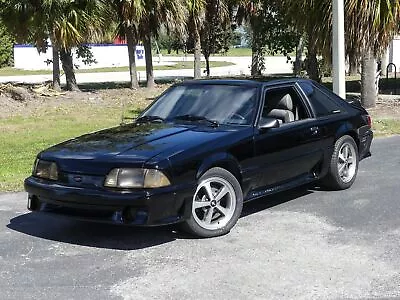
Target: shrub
6,47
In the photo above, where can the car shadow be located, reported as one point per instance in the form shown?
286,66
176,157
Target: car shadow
97,235
109,236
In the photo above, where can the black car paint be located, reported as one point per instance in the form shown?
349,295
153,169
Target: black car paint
264,162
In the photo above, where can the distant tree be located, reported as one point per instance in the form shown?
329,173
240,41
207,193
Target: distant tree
313,18
270,31
170,41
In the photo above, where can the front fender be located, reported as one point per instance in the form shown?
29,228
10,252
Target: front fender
223,160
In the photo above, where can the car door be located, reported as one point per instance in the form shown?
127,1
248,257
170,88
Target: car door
293,151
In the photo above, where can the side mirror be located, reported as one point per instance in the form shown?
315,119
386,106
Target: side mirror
268,123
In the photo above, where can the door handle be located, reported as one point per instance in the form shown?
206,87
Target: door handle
314,130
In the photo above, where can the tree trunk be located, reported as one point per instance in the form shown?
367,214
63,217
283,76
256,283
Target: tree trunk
56,67
68,67
149,61
312,65
256,65
132,41
312,61
254,62
299,56
197,52
368,79
353,63
207,58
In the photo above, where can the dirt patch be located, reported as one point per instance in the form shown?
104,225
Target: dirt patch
38,98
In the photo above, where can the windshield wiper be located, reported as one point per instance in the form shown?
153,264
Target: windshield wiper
149,119
194,118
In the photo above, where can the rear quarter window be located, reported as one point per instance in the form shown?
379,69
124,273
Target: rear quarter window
321,102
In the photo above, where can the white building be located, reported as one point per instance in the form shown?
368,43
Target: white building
394,53
107,55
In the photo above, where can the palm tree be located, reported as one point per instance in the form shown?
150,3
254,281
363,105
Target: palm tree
170,14
128,14
372,25
196,9
66,23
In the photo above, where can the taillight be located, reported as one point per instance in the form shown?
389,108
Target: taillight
369,121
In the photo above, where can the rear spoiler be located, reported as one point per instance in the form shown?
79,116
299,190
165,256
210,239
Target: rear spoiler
355,100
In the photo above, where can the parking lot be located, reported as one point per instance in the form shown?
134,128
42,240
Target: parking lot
302,244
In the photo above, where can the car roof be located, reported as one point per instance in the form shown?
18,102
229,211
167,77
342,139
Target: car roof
244,82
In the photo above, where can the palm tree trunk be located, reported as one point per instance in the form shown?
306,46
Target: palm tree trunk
299,56
312,65
353,63
130,37
68,67
255,70
312,61
149,61
368,79
197,52
56,68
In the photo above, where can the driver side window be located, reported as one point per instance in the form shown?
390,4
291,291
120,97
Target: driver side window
284,104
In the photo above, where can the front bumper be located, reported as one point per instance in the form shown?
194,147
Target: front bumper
143,207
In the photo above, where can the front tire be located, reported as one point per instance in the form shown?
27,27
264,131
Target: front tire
216,205
343,165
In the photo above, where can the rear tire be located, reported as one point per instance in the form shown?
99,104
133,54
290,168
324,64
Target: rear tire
216,205
343,166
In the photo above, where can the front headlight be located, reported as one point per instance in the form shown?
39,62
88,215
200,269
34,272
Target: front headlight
136,178
45,169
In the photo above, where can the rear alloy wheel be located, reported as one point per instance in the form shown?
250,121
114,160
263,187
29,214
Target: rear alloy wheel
344,164
216,204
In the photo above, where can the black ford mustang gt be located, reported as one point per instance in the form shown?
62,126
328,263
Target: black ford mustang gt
202,149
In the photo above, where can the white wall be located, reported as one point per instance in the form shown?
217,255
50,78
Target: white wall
27,57
394,53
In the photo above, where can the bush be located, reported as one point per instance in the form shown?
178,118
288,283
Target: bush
6,47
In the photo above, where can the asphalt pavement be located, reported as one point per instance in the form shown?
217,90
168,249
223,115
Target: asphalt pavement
303,244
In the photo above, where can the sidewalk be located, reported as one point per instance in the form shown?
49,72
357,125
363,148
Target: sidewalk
274,65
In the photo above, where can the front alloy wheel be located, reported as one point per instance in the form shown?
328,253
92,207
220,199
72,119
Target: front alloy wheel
216,204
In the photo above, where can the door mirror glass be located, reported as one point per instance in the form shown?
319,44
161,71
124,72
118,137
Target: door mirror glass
268,123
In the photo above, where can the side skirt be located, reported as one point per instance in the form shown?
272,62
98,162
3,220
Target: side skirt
299,181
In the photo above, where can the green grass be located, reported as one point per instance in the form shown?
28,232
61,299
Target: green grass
179,65
385,127
230,52
22,138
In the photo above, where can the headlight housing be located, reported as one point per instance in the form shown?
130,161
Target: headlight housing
136,178
45,169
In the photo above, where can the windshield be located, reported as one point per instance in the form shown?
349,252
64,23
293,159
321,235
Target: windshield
225,104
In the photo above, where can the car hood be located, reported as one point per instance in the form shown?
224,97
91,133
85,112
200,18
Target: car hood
128,145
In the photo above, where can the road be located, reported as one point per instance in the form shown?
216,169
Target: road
274,65
303,244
